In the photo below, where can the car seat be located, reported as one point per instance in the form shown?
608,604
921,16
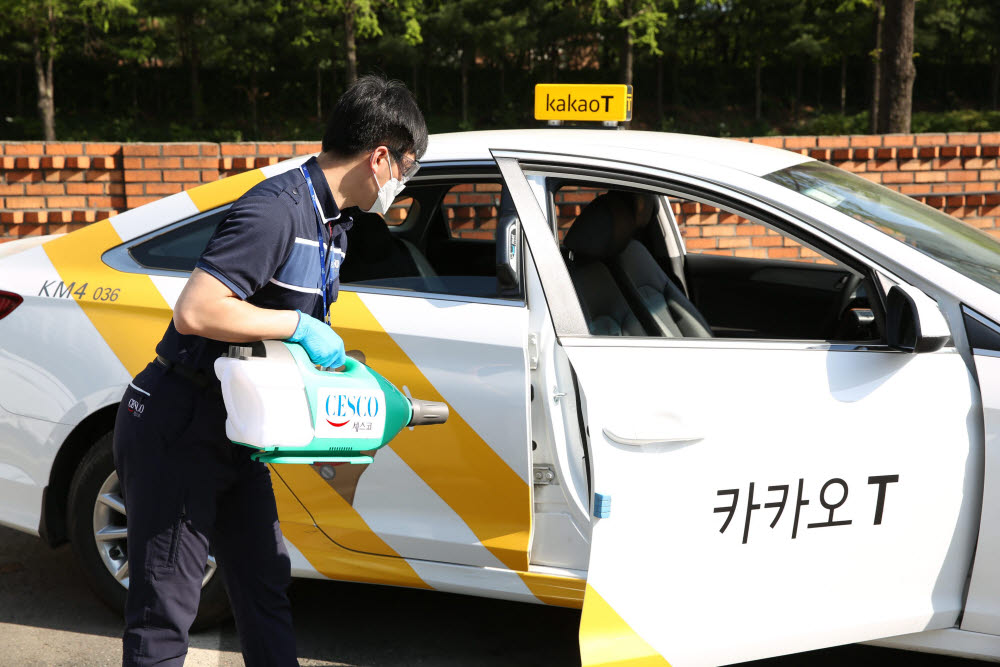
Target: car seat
592,240
374,252
658,301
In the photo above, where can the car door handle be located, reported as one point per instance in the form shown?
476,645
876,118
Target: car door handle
651,430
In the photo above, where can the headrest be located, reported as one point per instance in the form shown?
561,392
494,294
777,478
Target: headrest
645,208
369,239
603,228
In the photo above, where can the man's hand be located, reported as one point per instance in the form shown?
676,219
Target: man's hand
207,307
323,346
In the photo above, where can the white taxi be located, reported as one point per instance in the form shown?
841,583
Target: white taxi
731,401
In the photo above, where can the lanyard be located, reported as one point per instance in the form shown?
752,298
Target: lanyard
324,257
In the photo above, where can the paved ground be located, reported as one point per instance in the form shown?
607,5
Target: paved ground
48,616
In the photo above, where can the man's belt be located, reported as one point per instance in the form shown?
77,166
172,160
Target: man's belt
193,375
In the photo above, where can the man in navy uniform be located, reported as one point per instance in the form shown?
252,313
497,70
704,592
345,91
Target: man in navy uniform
270,271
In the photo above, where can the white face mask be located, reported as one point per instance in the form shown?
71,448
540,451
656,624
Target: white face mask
386,193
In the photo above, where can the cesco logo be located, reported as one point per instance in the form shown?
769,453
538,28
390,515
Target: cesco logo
341,409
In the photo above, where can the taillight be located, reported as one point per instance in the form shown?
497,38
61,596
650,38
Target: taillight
8,302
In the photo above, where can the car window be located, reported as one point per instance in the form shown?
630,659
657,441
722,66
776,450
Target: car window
446,246
741,277
179,248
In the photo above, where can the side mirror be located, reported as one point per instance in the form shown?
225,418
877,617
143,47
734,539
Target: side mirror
508,245
914,322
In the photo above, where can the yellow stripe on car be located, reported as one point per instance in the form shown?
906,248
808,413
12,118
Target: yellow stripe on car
606,639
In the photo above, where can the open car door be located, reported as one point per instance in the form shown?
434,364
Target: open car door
758,498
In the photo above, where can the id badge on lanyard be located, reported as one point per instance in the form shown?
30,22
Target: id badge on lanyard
325,257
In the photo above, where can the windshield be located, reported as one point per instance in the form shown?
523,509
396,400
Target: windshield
946,239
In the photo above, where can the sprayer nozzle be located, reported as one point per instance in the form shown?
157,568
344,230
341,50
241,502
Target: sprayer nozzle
428,412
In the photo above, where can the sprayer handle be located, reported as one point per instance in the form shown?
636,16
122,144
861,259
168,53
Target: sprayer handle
357,355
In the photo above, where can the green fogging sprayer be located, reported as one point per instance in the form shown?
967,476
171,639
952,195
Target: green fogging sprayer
291,411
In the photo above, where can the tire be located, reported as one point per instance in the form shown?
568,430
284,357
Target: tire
95,505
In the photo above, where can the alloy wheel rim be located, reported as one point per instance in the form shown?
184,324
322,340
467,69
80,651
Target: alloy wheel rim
110,536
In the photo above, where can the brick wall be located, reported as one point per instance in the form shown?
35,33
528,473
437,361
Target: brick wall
58,187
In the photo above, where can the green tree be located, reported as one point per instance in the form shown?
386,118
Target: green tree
42,28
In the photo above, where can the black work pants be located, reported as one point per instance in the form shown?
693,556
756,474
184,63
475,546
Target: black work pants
187,486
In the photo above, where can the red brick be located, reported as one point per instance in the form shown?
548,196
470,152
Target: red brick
28,176
239,149
162,162
7,163
898,177
264,161
164,188
901,140
756,253
36,216
27,163
225,163
84,216
26,202
915,165
935,201
963,176
776,142
132,163
841,154
912,189
53,162
833,142
989,151
11,190
783,253
12,217
767,241
906,153
700,244
948,163
201,162
84,189
102,163
970,151
964,138
989,175
103,149
853,166
863,153
63,148
209,175
243,163
946,151
820,154
955,200
45,189
885,153
734,242
793,143
866,140
116,188
283,149
78,162
67,202
59,217
929,139
930,177
141,150
145,176
719,230
306,147
181,176
135,188
25,229
975,200
192,150
927,152
947,187
19,148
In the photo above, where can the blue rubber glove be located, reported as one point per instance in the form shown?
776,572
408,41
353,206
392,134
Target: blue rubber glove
323,346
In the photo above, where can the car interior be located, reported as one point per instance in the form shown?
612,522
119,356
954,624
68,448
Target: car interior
627,285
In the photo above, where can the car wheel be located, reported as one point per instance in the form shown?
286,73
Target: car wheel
96,524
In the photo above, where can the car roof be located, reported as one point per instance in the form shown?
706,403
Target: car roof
755,159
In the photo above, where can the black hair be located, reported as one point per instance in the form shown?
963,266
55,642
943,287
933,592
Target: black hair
374,112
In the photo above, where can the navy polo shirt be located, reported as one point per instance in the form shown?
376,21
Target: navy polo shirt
267,251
